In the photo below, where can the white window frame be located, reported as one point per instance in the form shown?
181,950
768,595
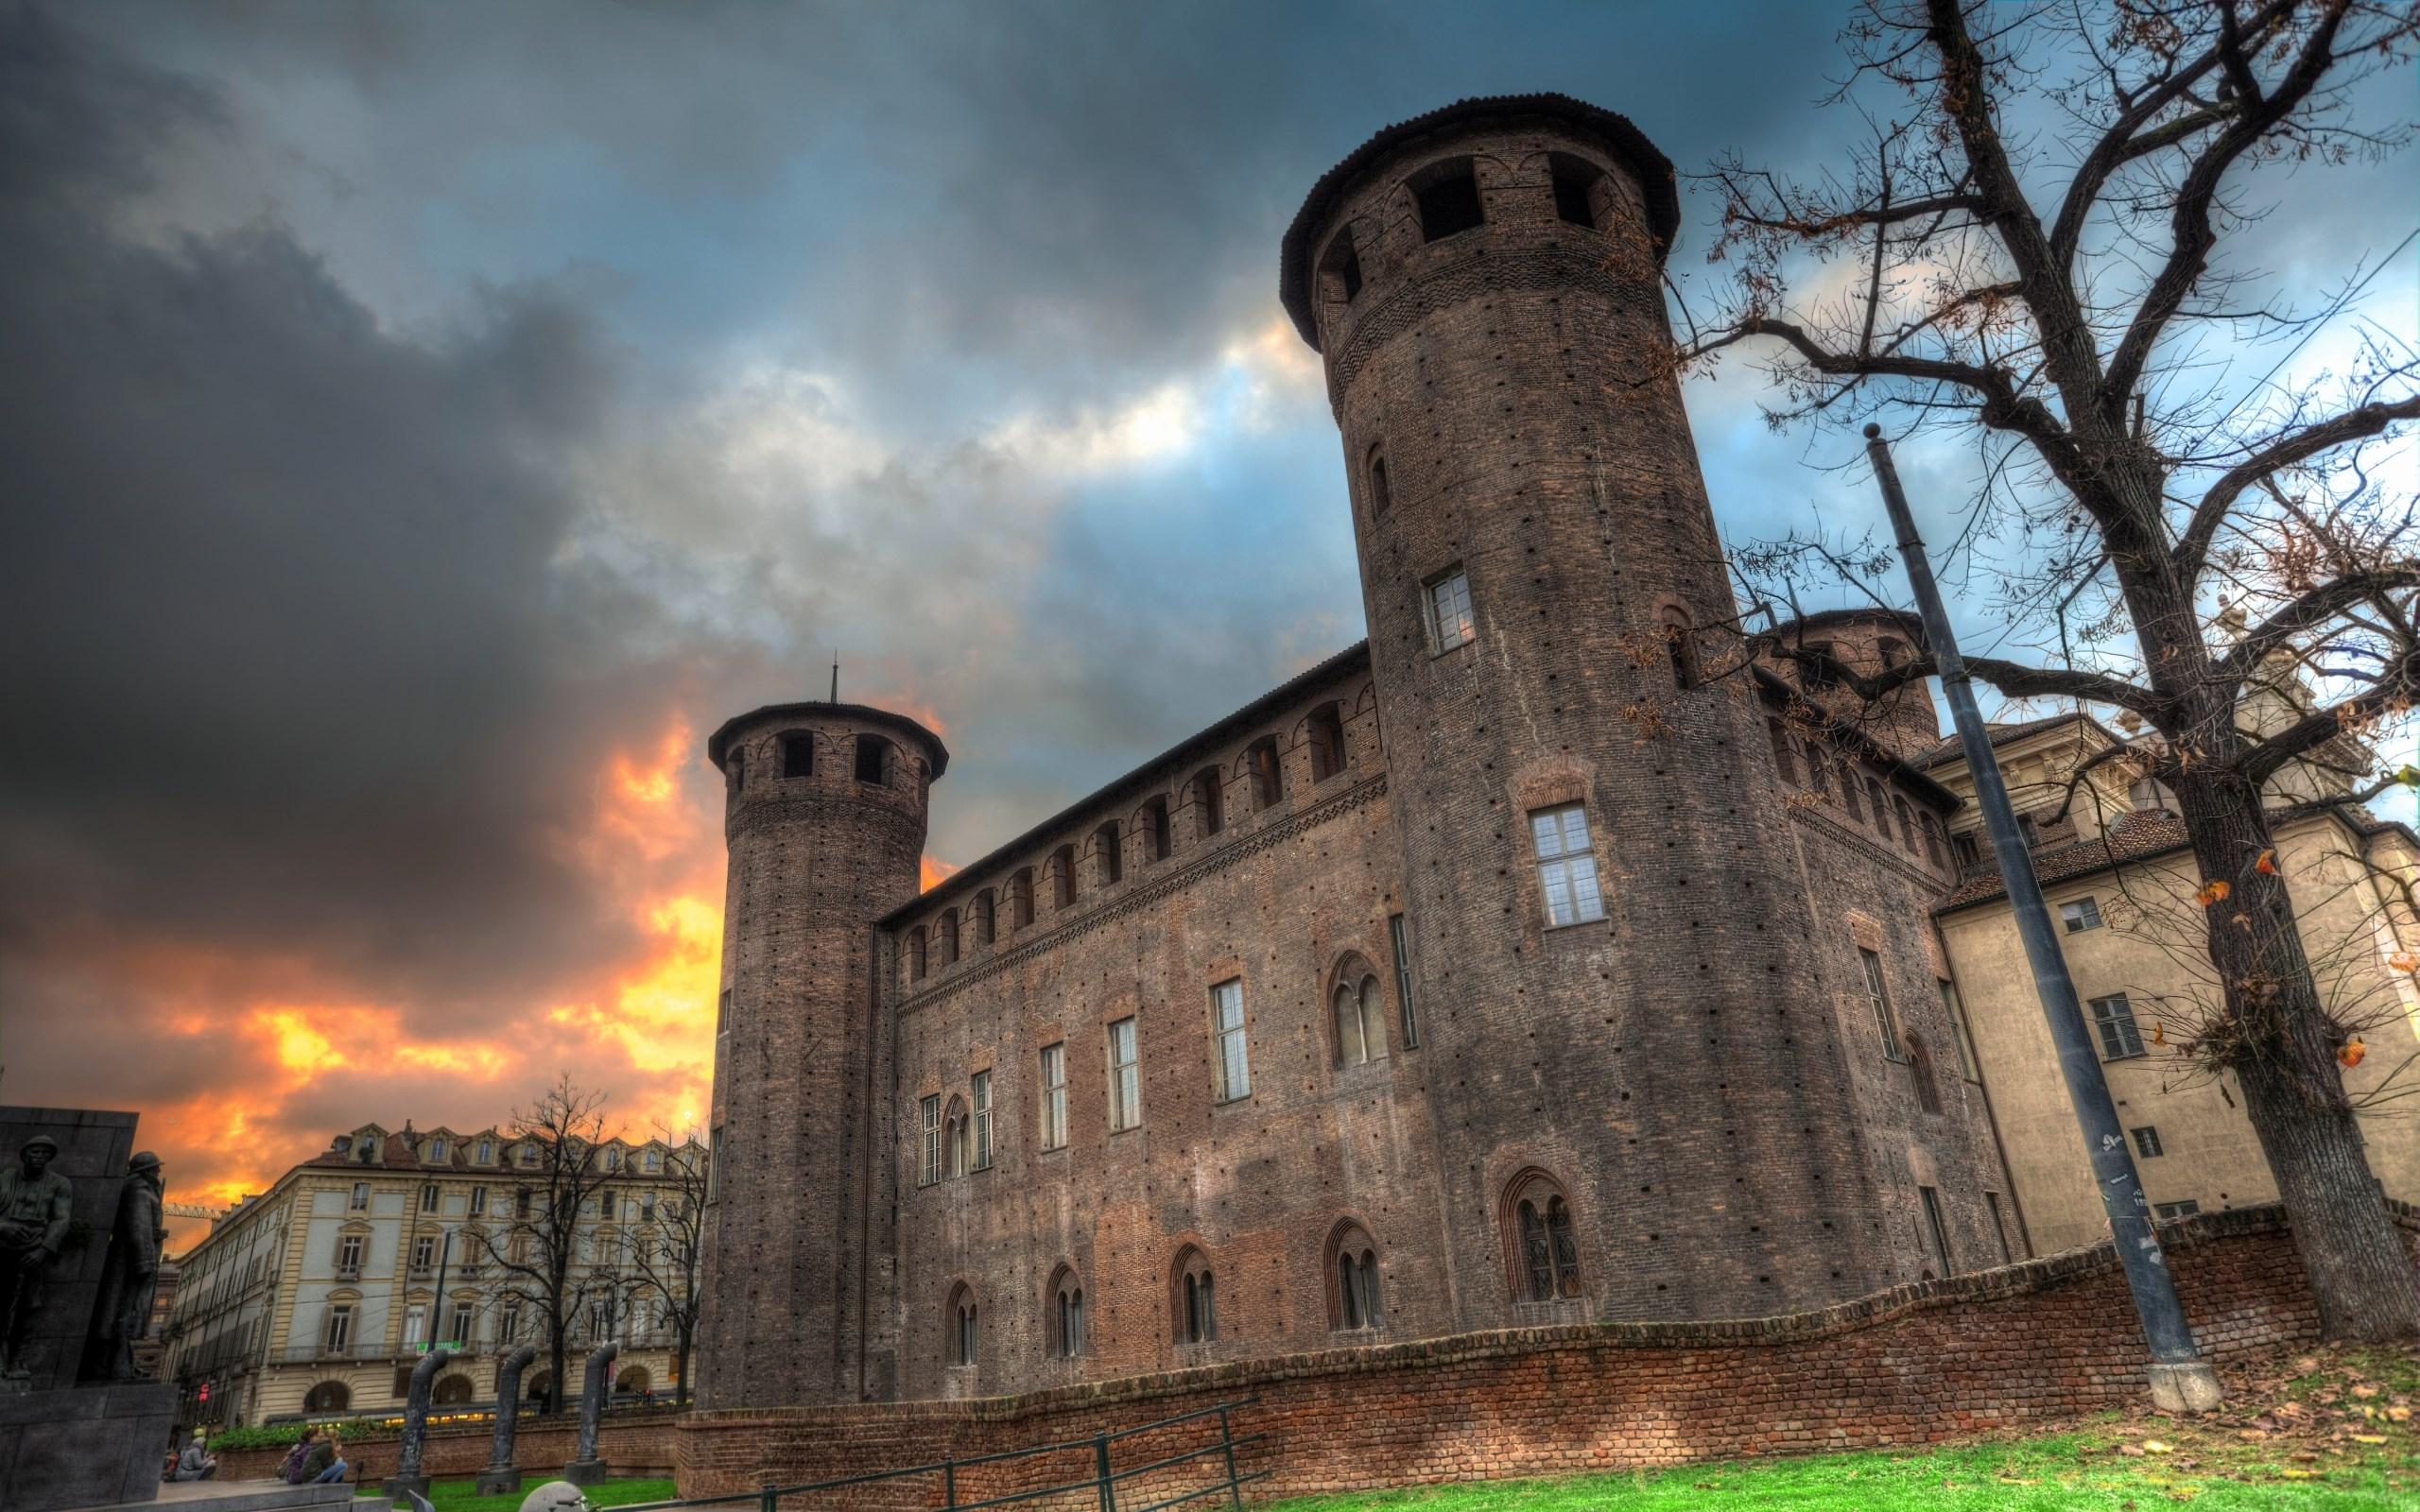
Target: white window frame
1877,997
982,1101
930,1121
1445,607
1232,1052
2079,915
1566,860
2127,1035
1970,1065
1125,1075
1054,1096
361,1202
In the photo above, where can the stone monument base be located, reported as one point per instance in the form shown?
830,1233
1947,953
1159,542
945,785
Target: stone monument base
495,1482
85,1446
402,1489
584,1471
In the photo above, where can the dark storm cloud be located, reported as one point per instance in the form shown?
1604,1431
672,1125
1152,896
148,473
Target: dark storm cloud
282,651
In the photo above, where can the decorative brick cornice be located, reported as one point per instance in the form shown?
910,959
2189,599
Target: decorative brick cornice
1184,876
1859,840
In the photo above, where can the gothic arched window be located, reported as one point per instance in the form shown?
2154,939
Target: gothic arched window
961,1325
1063,1333
1361,1014
1195,1297
1353,1284
1546,1254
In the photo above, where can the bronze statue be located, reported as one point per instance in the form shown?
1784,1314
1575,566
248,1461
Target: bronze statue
129,1277
35,1205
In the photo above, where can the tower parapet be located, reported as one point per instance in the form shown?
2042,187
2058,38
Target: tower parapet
824,822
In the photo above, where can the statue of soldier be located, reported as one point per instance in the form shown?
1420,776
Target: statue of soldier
130,1276
36,1203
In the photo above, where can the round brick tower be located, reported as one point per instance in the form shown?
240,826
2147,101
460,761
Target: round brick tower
824,823
1483,285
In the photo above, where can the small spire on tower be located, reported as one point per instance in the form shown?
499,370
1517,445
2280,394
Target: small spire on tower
835,678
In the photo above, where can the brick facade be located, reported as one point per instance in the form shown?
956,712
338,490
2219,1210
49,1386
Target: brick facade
1696,1079
631,1443
2040,1341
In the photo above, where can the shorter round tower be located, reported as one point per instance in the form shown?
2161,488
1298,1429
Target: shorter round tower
824,824
1869,642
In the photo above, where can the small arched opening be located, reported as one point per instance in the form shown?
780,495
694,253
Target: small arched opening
964,1342
1064,1326
328,1396
1544,1258
1353,1279
1193,1299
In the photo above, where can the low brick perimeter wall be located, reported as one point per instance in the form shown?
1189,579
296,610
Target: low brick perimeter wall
628,1446
2048,1338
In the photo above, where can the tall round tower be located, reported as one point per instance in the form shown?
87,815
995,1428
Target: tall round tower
824,822
1622,1013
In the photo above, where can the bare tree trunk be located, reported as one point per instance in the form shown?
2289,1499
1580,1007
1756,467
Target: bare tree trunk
2281,1048
680,1364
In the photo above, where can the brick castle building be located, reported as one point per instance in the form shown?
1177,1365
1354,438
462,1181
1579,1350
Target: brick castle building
1498,970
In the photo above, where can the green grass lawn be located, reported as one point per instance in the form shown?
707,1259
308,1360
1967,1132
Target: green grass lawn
456,1496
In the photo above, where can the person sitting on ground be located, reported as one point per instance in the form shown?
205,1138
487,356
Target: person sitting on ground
289,1469
196,1463
325,1465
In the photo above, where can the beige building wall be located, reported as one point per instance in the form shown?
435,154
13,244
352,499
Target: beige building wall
251,1319
2148,947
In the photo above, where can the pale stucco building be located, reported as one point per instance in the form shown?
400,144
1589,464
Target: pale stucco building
318,1296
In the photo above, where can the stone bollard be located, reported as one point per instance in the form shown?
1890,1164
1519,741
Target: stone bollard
501,1475
407,1481
585,1468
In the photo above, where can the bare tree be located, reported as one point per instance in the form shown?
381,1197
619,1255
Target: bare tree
670,1247
553,1147
2040,251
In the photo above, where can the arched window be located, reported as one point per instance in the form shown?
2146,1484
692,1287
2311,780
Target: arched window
1932,841
1359,1009
961,1325
1575,182
1447,194
874,753
949,937
1326,730
1920,1068
739,770
1893,650
1819,771
1268,778
1353,1281
1546,1256
980,911
1681,646
1881,805
450,1390
1823,674
798,754
1064,1329
1906,823
916,953
1021,899
956,1139
1209,803
633,1379
1848,789
1062,877
1783,762
1154,819
1340,268
1195,1300
1382,497
328,1396
1109,855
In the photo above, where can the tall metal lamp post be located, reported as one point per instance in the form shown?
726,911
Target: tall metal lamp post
2181,1379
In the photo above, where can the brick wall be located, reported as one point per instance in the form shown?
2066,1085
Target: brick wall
2045,1339
631,1446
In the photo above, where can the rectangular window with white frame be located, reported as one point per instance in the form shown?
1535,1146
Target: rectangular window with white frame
1227,1025
1566,865
2186,1208
1125,1078
2081,915
928,1124
1877,997
1968,1066
1402,980
1446,604
1054,1096
982,1120
2113,1020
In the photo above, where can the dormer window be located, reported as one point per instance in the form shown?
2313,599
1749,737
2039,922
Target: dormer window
612,1160
484,1151
438,1150
1449,201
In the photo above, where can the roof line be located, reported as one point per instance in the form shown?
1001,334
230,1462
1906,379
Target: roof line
1359,650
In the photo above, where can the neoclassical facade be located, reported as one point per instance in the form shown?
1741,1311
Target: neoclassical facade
1495,971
